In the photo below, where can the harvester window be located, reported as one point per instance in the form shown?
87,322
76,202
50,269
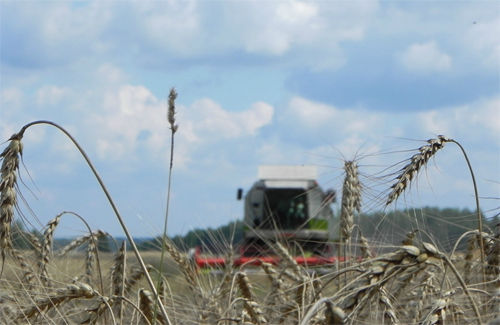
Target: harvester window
285,208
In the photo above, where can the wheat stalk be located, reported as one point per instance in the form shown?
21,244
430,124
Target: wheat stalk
417,161
390,311
333,314
351,199
28,271
72,291
10,166
34,242
433,251
250,305
364,247
173,128
134,276
295,271
493,255
186,267
75,243
471,245
8,184
276,291
351,203
437,313
46,252
146,305
90,258
410,236
95,312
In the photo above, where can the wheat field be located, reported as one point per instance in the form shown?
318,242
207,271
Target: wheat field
410,283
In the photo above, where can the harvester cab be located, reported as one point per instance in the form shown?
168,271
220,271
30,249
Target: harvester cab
287,204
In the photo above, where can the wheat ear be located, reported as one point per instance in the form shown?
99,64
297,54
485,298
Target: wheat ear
146,305
72,291
118,272
417,161
186,267
5,232
296,273
493,256
351,199
333,315
80,241
27,269
432,250
364,246
134,276
118,276
8,183
48,238
250,305
34,242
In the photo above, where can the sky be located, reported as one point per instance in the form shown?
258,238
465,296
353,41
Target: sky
258,82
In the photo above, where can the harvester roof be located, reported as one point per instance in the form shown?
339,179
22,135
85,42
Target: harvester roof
287,176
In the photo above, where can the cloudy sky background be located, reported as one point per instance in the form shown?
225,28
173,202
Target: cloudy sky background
282,82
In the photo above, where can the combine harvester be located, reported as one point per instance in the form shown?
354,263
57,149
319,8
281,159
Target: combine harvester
285,205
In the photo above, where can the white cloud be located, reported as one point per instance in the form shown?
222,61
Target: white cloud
304,33
210,121
58,32
156,31
319,119
423,58
134,117
433,123
310,113
11,98
282,24
480,119
127,111
110,74
100,83
259,115
51,95
172,26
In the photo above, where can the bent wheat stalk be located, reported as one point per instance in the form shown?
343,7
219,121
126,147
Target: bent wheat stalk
417,161
478,211
11,167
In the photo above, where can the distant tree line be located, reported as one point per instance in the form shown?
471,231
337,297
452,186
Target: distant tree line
210,239
441,225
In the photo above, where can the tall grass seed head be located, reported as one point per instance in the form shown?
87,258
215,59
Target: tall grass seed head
171,110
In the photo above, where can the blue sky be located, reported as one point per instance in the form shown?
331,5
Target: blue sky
259,82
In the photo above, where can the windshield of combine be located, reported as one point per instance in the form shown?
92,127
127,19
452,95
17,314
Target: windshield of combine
285,208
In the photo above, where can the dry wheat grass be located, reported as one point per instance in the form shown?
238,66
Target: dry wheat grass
410,283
